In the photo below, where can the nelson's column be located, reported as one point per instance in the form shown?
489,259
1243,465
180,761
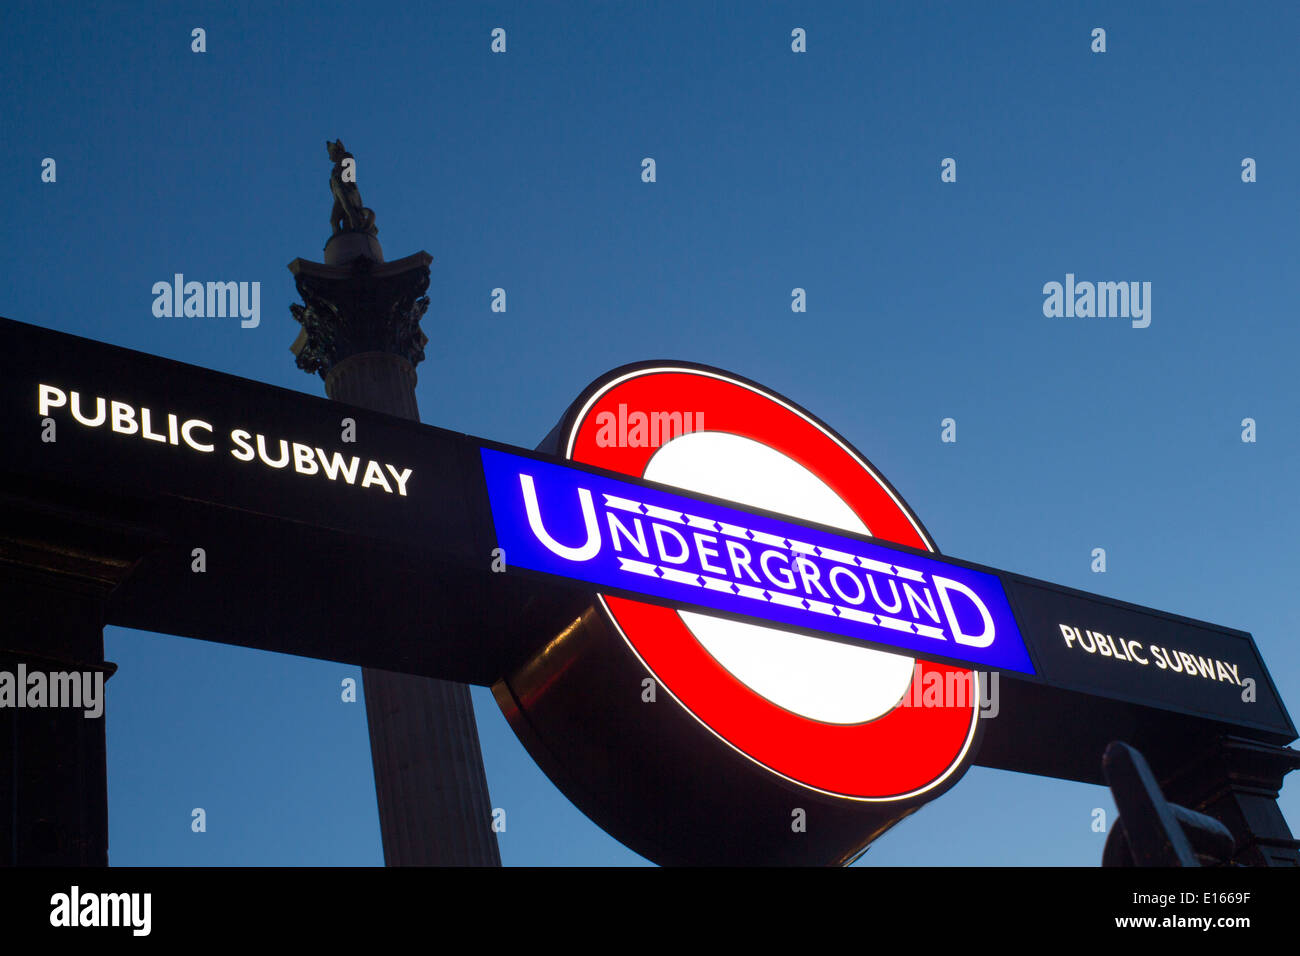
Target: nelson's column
361,332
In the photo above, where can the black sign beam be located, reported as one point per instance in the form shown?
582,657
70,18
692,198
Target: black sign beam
310,539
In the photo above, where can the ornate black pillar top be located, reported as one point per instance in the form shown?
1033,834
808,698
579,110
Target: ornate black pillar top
355,302
362,307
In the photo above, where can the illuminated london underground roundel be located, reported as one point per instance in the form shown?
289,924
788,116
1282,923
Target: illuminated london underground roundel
799,707
699,738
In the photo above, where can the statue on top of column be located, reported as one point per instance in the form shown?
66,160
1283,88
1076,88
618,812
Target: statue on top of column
348,214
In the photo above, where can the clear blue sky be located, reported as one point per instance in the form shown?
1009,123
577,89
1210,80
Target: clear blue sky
775,170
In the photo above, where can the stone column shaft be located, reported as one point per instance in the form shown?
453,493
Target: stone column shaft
361,333
434,808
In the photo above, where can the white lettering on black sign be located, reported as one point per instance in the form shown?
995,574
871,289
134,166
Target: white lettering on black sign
168,428
1164,658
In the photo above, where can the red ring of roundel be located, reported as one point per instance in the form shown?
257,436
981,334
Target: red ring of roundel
896,755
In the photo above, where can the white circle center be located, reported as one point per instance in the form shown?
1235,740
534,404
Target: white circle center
815,678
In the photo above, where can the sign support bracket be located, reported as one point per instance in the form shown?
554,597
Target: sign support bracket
1237,781
60,559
